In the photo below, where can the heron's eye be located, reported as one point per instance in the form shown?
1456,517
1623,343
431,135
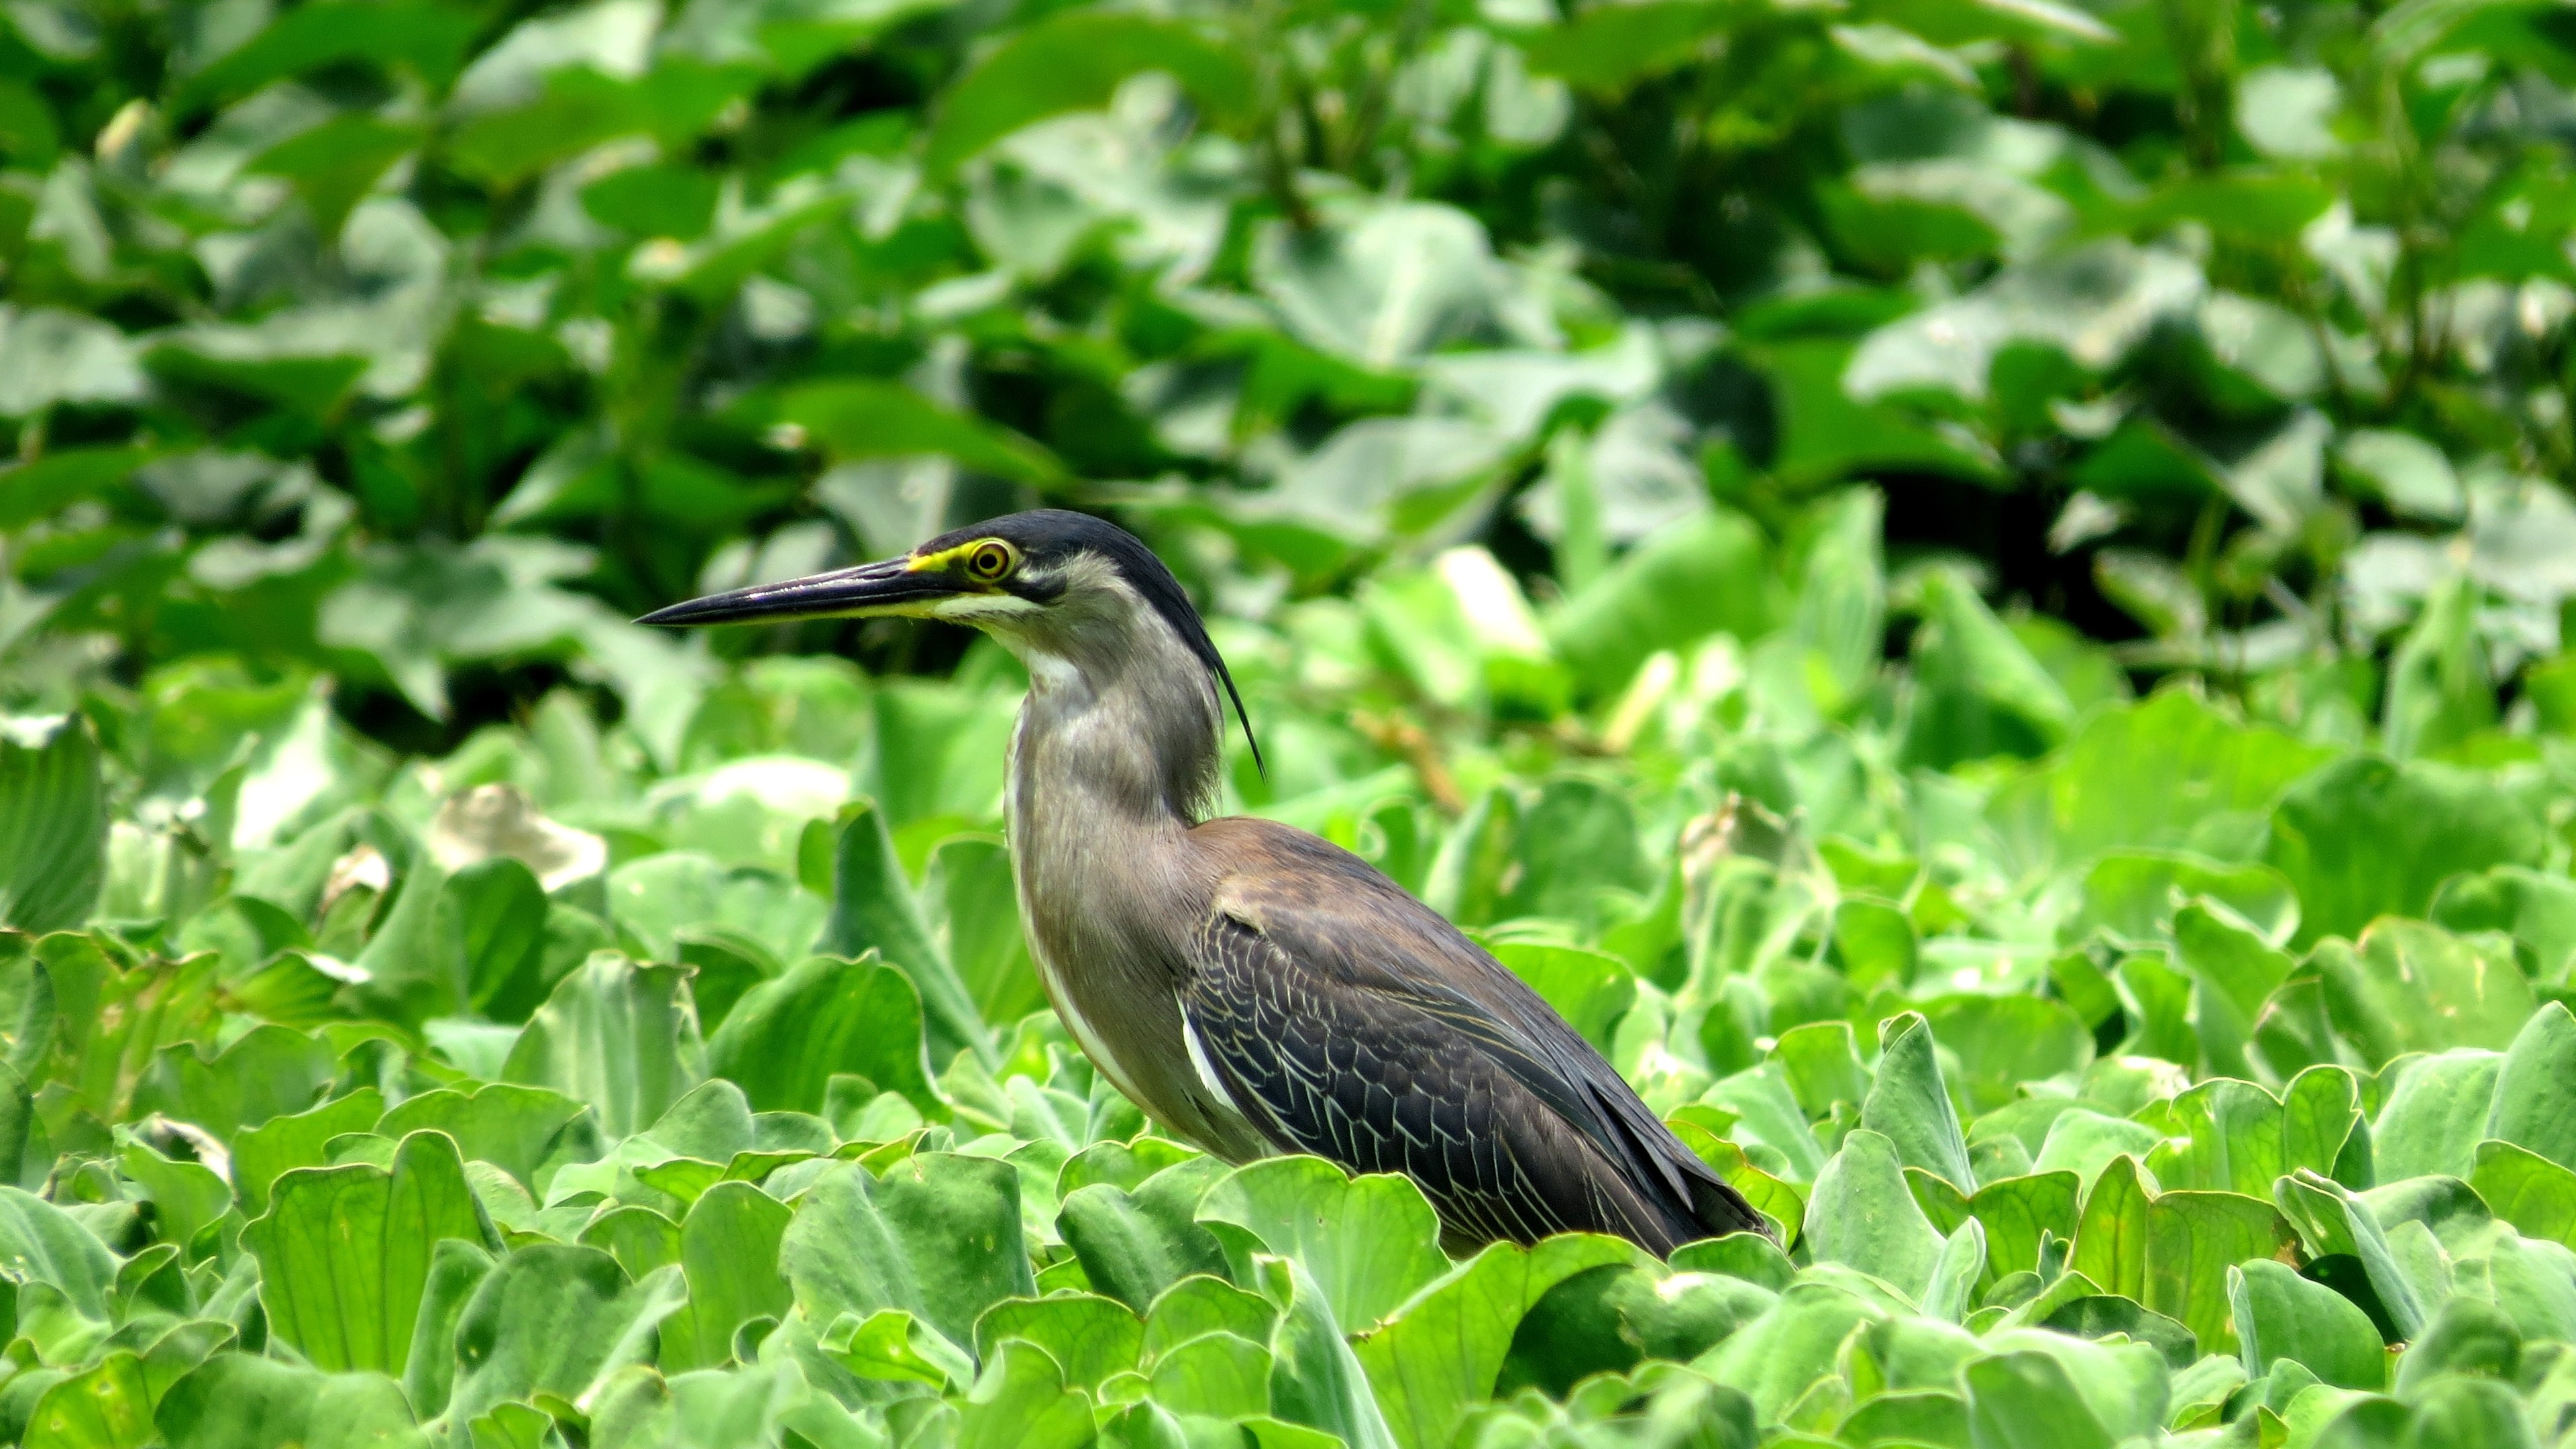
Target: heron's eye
992,561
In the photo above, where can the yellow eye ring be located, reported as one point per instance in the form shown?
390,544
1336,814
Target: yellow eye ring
991,561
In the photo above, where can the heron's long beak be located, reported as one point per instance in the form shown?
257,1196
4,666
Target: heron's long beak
895,586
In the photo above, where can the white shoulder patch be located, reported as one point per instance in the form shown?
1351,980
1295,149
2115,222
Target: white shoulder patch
1200,1062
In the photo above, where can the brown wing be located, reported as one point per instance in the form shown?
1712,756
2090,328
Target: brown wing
1357,1024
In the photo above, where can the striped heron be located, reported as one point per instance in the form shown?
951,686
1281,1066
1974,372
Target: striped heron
1255,989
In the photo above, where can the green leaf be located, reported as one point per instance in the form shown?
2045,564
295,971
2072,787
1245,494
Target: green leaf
1910,1105
53,850
1979,691
527,1132
1590,989
1089,1336
40,1243
344,1252
1021,1401
2535,1091
1369,1241
1216,1375
106,1406
2192,1239
2433,1110
2536,909
2366,838
2279,1315
658,898
1861,1214
554,1318
2531,1192
729,1254
1135,1247
1608,50
2026,1401
873,909
335,164
860,418
2165,773
1698,577
456,1269
241,1401
266,1072
974,906
2003,1041
619,1037
1439,1357
785,1039
938,1237
2409,987
31,491
1074,61
261,1154
2135,894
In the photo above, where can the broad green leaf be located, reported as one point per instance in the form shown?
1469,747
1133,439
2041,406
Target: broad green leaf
2135,894
2536,909
241,1401
873,909
1074,61
1135,1247
974,909
2433,1111
1216,1375
1369,1241
2171,772
2535,1090
2406,986
2439,692
345,1252
2026,1400
2003,1041
2192,1239
1698,577
655,899
1439,1357
1910,1106
456,1269
2280,1315
1777,1357
105,1406
1590,989
619,1037
2531,1192
729,1255
266,1072
863,418
1862,1215
1021,1401
554,1318
2221,1136
785,1039
1316,1378
938,1237
527,1132
261,1154
2366,838
1089,1336
53,849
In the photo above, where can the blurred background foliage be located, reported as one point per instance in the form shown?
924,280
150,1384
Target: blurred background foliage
415,344
1814,526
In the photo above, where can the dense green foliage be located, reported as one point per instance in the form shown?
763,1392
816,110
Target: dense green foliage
1969,587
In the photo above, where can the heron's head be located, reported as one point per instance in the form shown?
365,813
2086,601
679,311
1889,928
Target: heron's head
1059,589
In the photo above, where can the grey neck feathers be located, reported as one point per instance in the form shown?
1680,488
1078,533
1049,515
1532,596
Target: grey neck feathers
1122,719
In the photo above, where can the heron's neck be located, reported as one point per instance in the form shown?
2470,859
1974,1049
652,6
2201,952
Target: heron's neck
1121,728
